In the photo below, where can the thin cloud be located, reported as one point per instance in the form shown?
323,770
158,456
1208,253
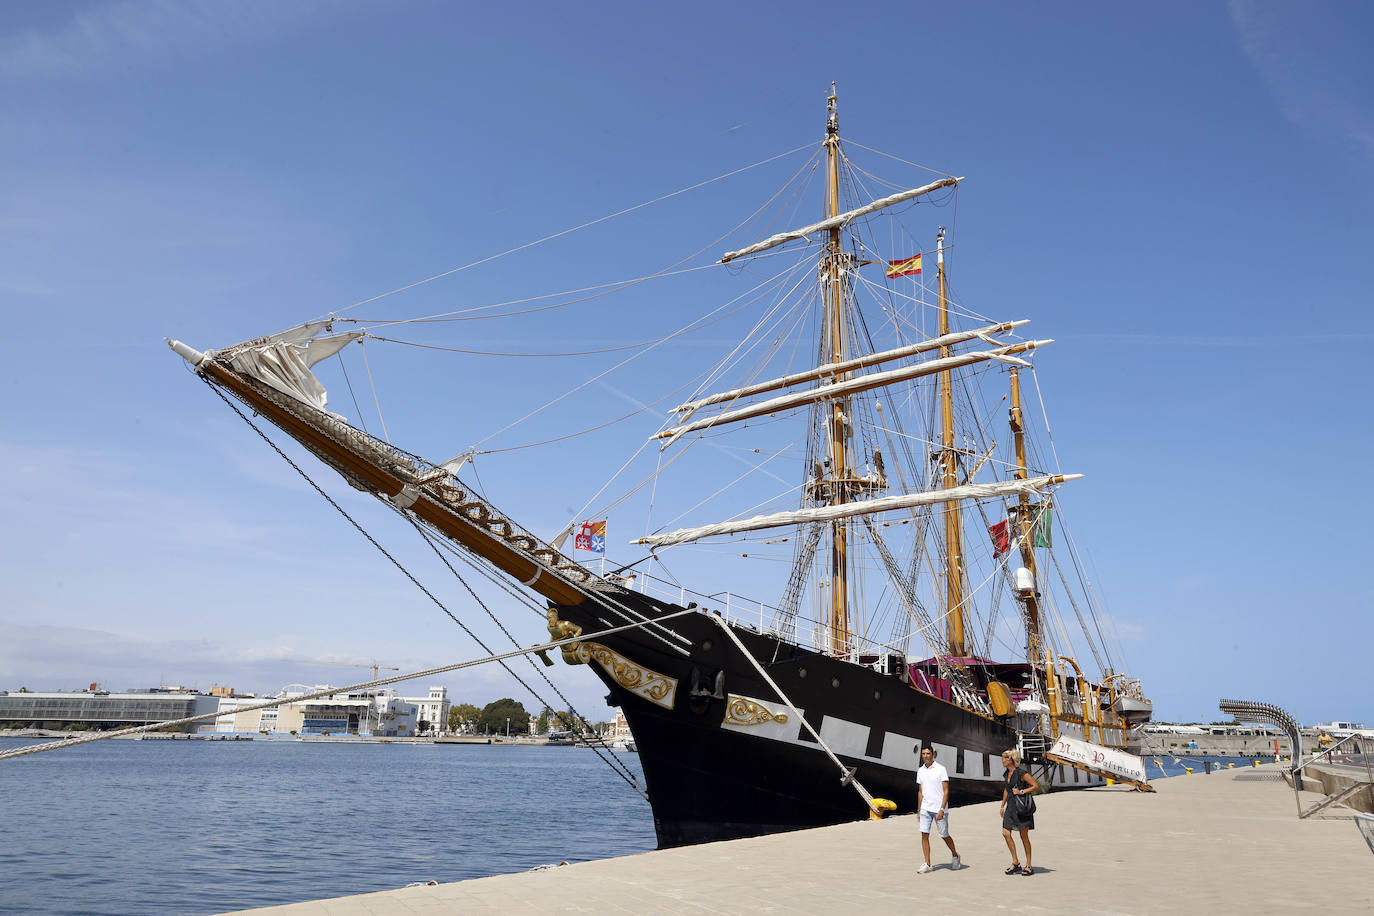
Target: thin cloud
116,34
1313,77
1225,341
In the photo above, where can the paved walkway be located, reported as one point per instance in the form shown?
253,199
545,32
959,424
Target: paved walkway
1230,842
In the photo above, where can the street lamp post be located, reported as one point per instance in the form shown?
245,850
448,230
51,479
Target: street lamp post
507,728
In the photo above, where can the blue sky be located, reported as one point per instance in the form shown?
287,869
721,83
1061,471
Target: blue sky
1181,199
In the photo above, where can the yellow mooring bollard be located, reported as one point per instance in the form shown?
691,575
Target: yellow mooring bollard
881,808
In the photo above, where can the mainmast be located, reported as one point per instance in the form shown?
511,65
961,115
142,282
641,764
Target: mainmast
954,538
1024,524
837,492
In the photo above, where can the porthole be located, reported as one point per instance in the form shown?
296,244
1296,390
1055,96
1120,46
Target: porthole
801,672
706,645
877,694
834,682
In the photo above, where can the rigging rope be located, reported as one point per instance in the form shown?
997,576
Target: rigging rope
585,225
416,582
585,728
362,346
351,394
714,315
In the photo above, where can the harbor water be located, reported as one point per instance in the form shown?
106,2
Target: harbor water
120,827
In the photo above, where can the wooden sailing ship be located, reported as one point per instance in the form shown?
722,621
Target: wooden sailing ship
747,728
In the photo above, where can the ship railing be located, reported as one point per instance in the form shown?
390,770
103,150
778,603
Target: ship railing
759,616
1365,824
1073,700
1341,794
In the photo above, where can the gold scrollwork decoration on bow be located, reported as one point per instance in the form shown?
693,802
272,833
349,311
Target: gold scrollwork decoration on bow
745,712
639,680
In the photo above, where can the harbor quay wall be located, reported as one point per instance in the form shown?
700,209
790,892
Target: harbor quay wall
1195,845
1179,745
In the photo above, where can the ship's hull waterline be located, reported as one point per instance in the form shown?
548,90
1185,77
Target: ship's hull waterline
724,757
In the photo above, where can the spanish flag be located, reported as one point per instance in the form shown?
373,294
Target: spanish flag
905,267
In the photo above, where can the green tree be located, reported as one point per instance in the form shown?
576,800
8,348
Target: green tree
422,726
463,718
543,723
494,715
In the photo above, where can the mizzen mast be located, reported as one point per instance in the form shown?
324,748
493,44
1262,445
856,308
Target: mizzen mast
832,269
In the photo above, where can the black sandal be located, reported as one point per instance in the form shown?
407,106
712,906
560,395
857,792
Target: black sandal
1027,872
1015,869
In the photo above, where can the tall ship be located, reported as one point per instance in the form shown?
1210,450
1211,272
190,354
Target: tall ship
914,583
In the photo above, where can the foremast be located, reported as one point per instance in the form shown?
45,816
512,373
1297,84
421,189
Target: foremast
953,520
837,426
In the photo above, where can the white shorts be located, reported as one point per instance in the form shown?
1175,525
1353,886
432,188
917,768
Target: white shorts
941,826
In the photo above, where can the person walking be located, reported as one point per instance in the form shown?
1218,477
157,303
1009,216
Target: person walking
1020,784
932,800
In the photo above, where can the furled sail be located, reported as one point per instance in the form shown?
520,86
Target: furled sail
835,222
860,362
853,386
282,360
1028,487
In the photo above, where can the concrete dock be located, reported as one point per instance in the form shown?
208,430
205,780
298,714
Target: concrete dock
1229,842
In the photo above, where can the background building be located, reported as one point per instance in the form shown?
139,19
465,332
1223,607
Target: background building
102,709
361,713
433,709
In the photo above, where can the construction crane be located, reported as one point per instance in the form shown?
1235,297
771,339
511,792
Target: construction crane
374,666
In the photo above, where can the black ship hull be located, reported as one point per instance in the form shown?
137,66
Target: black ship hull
724,756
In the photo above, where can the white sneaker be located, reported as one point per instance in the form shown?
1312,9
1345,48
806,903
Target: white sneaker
954,864
923,869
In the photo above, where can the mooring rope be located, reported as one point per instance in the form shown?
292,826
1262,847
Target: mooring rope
331,691
615,766
849,776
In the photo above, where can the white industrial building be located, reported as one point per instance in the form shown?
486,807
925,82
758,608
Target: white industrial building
359,713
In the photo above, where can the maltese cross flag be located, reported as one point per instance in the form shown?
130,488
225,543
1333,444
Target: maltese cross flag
592,537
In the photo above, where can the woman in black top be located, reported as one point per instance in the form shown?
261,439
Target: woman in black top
1019,784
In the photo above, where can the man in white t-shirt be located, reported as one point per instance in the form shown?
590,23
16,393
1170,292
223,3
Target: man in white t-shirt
932,800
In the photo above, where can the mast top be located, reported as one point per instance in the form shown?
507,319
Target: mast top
832,121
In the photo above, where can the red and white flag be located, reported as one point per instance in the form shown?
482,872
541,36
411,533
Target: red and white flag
591,537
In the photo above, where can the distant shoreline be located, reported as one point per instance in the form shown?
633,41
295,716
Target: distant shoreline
493,740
